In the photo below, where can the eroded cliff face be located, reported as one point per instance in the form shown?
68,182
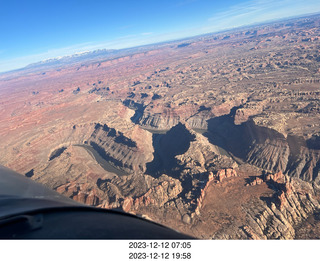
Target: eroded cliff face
187,158
287,201
159,121
292,154
122,151
291,204
192,137
85,152
158,116
173,177
196,119
266,147
230,204
177,174
305,164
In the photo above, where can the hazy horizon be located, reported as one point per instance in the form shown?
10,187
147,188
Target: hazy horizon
31,41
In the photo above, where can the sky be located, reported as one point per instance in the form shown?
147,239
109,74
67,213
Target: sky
35,30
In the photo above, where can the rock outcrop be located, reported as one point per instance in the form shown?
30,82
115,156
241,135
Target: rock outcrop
176,131
157,195
225,173
278,219
81,193
122,151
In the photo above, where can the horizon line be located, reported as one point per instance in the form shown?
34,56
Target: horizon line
151,43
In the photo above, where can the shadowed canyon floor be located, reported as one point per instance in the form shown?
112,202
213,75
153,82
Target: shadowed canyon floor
216,136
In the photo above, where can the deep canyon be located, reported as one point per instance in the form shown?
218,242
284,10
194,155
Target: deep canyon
217,136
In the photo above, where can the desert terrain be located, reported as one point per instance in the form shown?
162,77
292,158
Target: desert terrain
216,136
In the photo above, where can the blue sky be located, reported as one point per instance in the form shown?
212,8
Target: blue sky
34,30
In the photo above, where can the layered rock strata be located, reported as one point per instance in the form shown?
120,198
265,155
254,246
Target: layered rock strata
290,206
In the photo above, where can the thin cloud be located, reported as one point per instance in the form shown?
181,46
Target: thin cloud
19,62
256,11
118,43
246,13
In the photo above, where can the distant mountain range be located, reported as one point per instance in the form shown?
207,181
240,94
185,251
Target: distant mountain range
101,55
74,58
